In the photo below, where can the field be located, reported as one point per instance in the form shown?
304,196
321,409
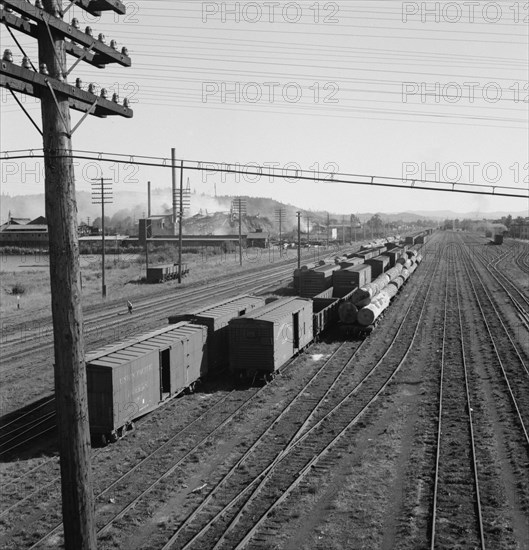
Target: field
416,436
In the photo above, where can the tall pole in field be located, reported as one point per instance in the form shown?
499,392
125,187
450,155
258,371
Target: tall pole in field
180,220
148,199
173,186
101,193
298,214
240,232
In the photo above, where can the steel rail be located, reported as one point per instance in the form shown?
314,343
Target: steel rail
307,468
441,430
128,472
193,515
263,476
505,329
131,504
493,343
471,424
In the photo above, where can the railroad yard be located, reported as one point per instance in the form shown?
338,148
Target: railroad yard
414,437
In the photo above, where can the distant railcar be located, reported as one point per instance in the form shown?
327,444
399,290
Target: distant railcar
162,273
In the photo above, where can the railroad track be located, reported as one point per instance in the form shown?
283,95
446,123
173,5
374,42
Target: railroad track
137,502
280,459
451,523
514,370
20,430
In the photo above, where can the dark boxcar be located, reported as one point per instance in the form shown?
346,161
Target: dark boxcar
132,378
378,265
498,239
346,280
394,254
410,239
216,318
266,338
314,281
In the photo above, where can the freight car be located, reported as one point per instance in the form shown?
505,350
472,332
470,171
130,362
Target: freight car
216,319
162,273
127,380
263,340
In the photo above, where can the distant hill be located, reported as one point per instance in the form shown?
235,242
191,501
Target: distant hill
132,205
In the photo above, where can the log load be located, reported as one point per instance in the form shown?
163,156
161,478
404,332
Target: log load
347,312
369,314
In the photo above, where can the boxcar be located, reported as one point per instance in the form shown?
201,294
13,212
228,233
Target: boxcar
216,318
394,254
263,340
378,265
346,280
130,379
314,281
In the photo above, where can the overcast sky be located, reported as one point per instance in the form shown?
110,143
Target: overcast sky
432,90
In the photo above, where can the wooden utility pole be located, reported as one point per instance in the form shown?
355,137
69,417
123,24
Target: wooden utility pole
148,199
102,193
46,79
180,221
240,232
173,186
298,214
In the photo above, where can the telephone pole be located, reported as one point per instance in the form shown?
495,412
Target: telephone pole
46,79
279,216
101,194
148,199
239,205
298,214
180,220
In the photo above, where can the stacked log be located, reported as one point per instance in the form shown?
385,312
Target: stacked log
369,314
347,312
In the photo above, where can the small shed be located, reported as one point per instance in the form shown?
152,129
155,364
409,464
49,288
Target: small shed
263,340
216,318
258,239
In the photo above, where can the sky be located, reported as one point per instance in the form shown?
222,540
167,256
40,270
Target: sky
425,90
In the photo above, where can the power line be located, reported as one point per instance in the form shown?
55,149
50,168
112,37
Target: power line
290,174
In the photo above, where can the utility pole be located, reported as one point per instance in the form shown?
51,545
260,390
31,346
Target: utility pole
240,233
239,205
328,228
101,194
173,186
180,221
350,228
308,230
279,216
148,199
298,214
343,230
46,79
